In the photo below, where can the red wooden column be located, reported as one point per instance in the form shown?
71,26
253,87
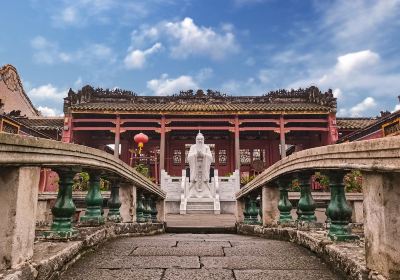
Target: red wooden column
162,144
282,136
332,132
67,133
237,144
117,136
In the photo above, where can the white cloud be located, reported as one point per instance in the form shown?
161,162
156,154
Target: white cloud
78,82
263,76
193,39
69,15
356,22
167,86
83,12
396,108
363,107
355,61
337,93
204,74
137,58
250,61
48,112
46,92
185,38
47,52
291,57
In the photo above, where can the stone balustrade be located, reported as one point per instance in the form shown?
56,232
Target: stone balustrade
133,197
379,162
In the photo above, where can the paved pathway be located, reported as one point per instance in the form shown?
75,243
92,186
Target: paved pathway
199,256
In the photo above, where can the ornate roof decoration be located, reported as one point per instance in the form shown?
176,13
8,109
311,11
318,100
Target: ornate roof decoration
311,95
308,99
200,94
10,77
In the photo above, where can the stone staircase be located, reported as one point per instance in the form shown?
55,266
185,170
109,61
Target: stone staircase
200,207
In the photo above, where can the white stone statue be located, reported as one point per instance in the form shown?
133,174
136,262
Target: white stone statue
200,159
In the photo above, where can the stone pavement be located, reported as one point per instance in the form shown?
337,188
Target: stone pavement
199,256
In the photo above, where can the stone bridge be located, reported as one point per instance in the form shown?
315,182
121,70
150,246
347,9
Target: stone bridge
279,245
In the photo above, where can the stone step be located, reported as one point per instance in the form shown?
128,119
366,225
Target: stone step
201,230
199,211
200,205
205,207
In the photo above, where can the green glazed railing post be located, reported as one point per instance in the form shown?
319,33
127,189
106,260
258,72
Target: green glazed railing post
253,211
64,208
338,211
154,211
284,205
94,202
306,206
260,209
114,203
148,209
247,219
140,208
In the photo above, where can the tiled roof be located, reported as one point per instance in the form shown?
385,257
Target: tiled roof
198,107
44,123
354,123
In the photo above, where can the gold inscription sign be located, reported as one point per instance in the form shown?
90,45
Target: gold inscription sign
392,128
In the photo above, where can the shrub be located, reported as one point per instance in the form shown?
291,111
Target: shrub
81,181
294,186
142,169
353,181
246,179
322,180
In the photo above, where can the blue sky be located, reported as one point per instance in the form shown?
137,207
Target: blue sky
241,47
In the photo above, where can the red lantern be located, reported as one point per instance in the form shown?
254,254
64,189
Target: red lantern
141,139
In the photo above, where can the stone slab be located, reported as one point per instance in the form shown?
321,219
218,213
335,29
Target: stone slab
149,262
287,261
114,274
204,243
263,250
178,251
198,274
285,274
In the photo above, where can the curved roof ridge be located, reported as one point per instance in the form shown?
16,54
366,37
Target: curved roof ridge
4,70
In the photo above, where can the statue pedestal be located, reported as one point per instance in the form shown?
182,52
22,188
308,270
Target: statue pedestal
204,201
226,188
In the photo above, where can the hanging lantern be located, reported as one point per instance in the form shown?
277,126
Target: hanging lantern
141,139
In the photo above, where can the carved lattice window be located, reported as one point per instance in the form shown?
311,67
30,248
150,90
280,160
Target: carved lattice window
256,154
187,148
177,157
245,156
212,150
259,154
152,156
222,157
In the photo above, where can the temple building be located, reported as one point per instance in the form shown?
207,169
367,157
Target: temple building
246,133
